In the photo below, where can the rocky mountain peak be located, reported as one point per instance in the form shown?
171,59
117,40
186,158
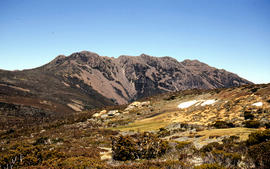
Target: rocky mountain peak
89,76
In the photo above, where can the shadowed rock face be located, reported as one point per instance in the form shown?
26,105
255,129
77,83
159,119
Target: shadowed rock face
87,80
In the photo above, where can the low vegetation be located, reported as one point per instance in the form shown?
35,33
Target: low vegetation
138,146
153,133
252,124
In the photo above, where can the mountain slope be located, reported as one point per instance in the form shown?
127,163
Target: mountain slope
212,128
86,80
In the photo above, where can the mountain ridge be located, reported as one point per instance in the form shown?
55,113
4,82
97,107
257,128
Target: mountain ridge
86,80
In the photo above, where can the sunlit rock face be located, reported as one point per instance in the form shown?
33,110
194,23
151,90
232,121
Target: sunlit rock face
94,81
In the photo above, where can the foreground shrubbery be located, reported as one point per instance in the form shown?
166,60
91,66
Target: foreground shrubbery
27,155
148,147
210,166
138,146
81,162
228,153
231,153
260,153
259,148
258,137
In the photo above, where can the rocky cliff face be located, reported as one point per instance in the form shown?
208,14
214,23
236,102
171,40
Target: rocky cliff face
86,80
128,78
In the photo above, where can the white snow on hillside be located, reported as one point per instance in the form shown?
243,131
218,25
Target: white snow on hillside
197,103
257,104
187,104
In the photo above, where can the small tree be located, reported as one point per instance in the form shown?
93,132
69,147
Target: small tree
145,146
124,148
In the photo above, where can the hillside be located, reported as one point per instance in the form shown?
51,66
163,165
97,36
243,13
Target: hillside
218,128
128,78
85,80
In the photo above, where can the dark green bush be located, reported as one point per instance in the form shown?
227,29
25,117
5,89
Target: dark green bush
222,124
182,144
230,140
41,140
258,137
124,148
258,148
57,140
254,89
10,131
163,132
248,115
225,157
260,154
170,98
260,111
252,124
267,125
138,146
211,146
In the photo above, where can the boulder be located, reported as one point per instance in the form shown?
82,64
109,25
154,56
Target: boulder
100,113
112,112
103,112
117,114
137,104
103,116
96,115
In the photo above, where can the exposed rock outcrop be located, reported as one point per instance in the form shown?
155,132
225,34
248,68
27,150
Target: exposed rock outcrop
96,80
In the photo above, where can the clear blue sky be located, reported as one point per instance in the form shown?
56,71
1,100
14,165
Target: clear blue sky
229,34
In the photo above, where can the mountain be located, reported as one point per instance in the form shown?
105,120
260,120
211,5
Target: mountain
85,80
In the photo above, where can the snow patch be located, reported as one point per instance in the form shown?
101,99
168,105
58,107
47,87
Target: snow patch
197,103
187,104
257,104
